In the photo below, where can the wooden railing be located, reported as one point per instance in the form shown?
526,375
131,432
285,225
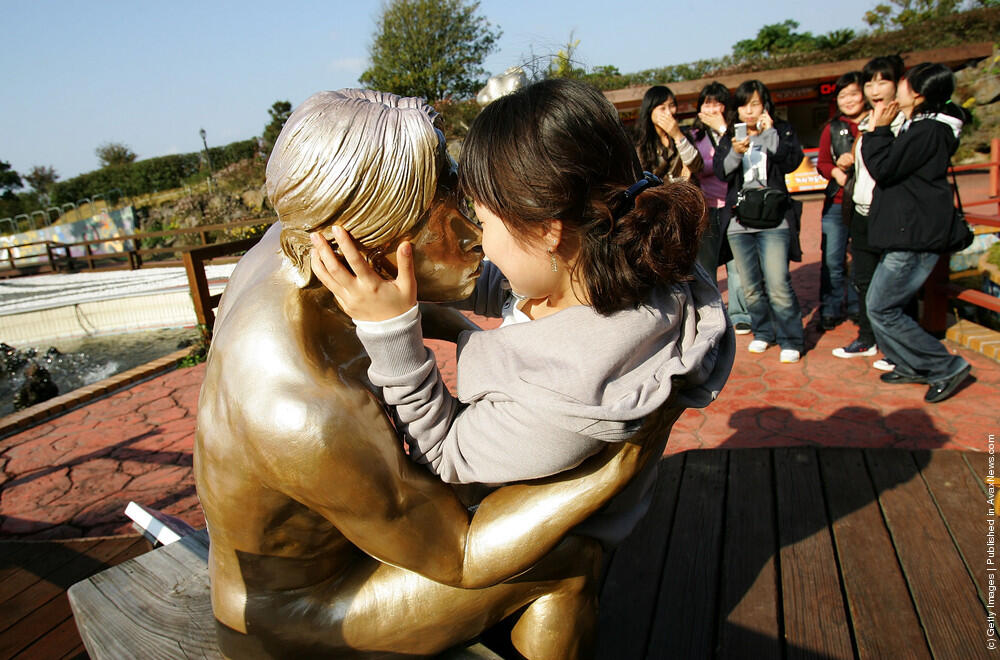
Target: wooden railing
194,263
59,257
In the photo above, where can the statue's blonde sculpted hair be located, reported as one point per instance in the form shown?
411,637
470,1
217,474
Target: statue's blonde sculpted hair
367,161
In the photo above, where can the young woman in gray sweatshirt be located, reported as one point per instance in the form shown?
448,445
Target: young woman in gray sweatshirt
606,318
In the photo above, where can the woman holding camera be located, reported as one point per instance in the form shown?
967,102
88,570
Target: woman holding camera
753,157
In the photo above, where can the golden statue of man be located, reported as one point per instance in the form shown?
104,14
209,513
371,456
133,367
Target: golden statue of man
325,538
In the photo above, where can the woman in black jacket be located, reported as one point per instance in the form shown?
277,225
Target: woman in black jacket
911,216
770,150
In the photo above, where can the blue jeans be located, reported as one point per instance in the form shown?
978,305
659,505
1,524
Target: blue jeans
833,268
738,312
762,260
711,243
897,278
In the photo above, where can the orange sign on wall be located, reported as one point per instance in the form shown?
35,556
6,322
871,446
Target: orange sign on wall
806,178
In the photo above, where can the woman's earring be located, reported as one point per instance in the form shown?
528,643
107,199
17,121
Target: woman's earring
552,260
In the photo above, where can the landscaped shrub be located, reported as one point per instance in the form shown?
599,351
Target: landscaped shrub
151,174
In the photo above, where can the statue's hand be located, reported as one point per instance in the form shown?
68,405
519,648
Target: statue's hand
363,294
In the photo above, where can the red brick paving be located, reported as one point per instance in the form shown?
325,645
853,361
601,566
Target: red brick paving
73,475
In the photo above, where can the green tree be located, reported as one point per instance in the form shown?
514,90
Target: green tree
278,112
114,153
902,13
9,179
41,178
563,64
430,48
10,203
775,39
835,39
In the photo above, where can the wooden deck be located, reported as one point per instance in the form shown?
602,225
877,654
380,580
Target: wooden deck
796,553
758,553
35,618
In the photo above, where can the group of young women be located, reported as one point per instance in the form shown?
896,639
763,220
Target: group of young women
731,167
885,153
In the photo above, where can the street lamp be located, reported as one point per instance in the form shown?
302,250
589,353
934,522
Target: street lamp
208,157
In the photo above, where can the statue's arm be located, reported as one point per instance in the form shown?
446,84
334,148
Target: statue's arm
444,322
356,475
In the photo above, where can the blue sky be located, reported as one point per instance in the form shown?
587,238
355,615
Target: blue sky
152,74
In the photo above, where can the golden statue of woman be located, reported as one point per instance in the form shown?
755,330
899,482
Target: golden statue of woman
326,539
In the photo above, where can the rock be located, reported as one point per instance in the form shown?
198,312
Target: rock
253,200
986,89
12,360
38,387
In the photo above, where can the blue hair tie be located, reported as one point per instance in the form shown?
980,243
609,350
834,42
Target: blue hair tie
648,180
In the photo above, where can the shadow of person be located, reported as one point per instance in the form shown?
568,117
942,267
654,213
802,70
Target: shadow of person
736,553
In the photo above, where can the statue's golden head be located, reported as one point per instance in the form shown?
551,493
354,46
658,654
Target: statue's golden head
367,161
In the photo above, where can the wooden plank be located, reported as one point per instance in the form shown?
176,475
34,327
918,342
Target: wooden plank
967,513
198,283
882,615
36,561
749,611
685,620
815,615
79,653
154,606
628,596
979,463
59,642
952,617
34,626
36,611
95,558
12,555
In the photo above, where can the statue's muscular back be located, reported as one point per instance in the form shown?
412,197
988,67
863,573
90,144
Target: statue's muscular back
270,413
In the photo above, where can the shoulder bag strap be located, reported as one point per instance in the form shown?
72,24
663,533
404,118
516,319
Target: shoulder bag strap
954,185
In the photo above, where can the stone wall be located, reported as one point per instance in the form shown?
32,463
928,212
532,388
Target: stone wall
978,90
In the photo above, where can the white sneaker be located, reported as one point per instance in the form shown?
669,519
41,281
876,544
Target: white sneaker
758,346
790,355
884,364
856,348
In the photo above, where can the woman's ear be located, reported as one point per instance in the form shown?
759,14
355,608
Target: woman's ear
552,234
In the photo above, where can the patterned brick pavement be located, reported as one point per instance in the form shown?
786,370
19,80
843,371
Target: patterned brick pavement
73,475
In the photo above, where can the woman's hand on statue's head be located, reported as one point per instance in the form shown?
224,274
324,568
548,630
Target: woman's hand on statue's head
364,295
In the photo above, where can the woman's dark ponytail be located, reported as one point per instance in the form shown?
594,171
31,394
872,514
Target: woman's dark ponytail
653,244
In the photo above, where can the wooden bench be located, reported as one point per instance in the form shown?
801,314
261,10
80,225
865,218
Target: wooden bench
158,606
760,553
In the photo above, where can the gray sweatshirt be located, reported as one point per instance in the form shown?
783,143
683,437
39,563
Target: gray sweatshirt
538,398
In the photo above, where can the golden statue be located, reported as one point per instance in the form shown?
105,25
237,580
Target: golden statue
326,539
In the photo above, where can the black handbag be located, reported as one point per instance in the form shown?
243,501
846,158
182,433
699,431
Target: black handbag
960,235
761,208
